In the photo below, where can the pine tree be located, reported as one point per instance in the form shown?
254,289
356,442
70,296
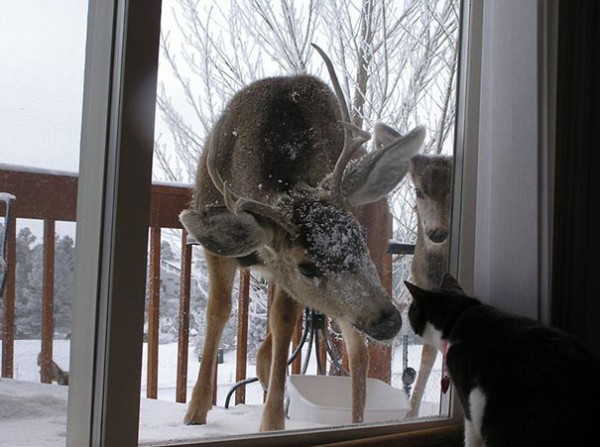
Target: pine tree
27,295
63,284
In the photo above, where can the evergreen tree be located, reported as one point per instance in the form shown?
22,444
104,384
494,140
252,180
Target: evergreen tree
63,284
27,296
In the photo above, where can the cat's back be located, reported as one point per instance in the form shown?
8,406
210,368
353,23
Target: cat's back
539,383
520,339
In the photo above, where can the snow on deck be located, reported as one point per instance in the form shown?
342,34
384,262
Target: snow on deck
26,403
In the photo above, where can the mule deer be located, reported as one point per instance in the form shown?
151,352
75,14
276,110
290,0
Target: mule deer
432,179
275,191
57,374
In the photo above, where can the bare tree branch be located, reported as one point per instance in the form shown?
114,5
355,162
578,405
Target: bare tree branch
396,62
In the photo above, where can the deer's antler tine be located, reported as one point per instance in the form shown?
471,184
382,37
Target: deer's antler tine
212,156
336,84
350,145
270,212
357,131
233,201
354,137
230,198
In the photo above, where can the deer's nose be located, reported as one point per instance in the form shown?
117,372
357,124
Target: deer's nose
386,327
437,236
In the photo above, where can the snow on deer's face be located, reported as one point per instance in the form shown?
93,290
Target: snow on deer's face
328,267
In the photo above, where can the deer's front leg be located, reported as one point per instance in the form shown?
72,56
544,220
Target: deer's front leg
221,272
283,316
263,361
358,357
428,355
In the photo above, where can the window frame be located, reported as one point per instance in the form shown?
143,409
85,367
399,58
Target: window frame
112,222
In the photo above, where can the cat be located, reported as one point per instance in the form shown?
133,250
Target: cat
521,384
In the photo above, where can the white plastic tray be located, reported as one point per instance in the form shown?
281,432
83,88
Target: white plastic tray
328,400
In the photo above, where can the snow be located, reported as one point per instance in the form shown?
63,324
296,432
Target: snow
35,170
6,197
331,235
26,403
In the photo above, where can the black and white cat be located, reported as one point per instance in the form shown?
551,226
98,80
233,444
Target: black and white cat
521,384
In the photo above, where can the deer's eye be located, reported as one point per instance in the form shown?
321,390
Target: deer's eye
310,270
418,193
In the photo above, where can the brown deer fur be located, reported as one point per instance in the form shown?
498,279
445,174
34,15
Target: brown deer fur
57,374
275,192
432,179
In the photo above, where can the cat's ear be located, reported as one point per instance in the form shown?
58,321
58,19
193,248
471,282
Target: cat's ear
414,290
450,284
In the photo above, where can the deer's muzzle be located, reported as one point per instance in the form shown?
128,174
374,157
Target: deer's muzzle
386,327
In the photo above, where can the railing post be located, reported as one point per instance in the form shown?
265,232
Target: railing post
184,319
320,349
296,339
153,313
380,364
47,302
8,302
216,382
242,334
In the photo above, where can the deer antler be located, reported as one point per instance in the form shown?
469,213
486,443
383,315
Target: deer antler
211,157
235,203
354,137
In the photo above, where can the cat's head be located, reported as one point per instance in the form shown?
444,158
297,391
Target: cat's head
433,312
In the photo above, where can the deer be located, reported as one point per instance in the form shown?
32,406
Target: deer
278,187
431,176
57,374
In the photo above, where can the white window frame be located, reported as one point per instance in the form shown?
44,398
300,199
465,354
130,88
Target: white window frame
112,222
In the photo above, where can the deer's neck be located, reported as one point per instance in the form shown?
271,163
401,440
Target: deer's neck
430,261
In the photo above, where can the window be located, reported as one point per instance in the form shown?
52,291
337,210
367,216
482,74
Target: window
42,88
115,198
209,51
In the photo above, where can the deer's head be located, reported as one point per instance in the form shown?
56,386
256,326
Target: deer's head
312,244
432,179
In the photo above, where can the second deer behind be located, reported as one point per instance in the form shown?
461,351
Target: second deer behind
432,179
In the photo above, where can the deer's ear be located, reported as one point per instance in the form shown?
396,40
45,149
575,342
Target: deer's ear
226,234
378,172
384,134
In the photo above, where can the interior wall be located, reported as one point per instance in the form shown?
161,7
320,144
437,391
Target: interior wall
576,265
507,243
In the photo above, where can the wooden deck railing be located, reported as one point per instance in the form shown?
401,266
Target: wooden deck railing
52,197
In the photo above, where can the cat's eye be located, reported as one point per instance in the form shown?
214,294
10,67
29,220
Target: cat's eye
310,270
418,193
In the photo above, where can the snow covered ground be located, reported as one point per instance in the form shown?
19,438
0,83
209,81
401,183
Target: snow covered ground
26,403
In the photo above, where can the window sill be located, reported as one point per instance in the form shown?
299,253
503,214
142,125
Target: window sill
428,433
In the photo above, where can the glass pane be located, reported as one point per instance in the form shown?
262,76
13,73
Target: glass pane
42,50
396,62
